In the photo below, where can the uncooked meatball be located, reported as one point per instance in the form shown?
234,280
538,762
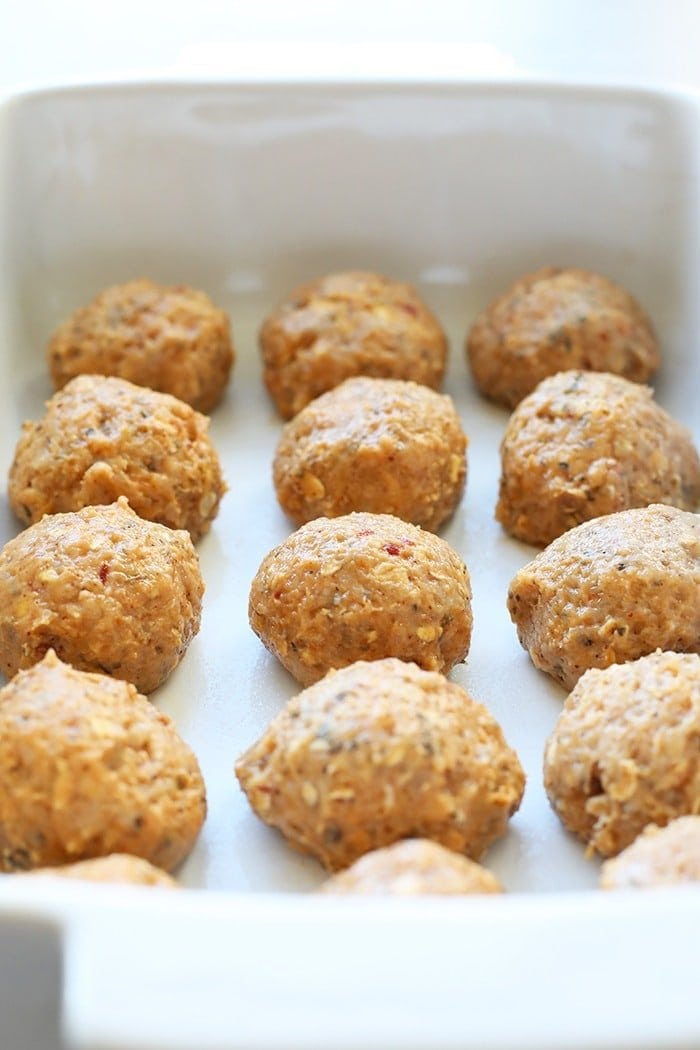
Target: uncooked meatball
361,587
584,444
170,339
102,438
387,446
378,752
412,867
88,767
116,867
105,589
611,590
348,324
624,751
554,320
657,857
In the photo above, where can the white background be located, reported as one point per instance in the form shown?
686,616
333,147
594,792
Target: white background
48,41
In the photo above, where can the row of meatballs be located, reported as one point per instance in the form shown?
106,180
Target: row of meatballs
582,445
357,323
426,633
102,595
383,752
368,757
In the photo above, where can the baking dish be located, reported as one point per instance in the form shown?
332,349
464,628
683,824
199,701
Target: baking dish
244,190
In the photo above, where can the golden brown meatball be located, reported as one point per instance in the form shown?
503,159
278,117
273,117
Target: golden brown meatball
554,320
105,589
169,339
611,590
412,867
363,586
624,752
657,857
116,867
378,752
102,438
382,445
584,444
348,324
89,767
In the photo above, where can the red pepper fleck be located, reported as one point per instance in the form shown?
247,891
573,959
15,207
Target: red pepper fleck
409,309
366,532
277,595
392,548
104,572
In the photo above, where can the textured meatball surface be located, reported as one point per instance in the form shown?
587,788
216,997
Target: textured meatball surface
103,437
107,590
348,324
611,590
553,320
387,446
410,868
88,767
584,444
361,587
624,751
172,339
657,857
116,867
378,752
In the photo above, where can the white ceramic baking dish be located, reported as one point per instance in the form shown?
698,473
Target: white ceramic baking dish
245,190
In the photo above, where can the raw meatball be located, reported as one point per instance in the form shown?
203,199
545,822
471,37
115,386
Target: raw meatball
382,445
102,438
414,866
583,444
553,320
105,589
117,867
348,324
378,752
363,586
169,339
89,767
624,752
611,590
658,857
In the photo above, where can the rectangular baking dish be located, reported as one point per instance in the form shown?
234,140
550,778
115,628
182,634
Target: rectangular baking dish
245,190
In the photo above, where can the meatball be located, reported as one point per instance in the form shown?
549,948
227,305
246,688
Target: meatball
362,586
553,320
657,857
624,751
382,445
378,752
412,867
105,589
102,438
348,324
169,339
584,444
116,867
89,767
611,590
